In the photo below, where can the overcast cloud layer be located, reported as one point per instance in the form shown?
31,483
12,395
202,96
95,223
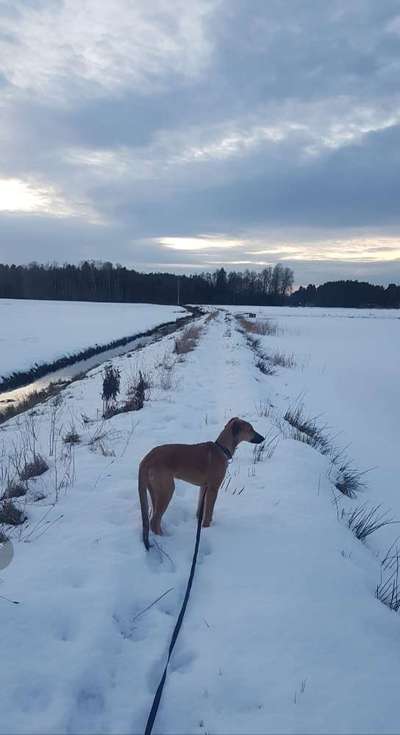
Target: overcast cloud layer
185,134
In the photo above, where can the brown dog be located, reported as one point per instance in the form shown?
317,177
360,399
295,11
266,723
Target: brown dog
203,465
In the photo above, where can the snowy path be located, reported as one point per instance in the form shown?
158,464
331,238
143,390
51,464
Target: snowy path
282,633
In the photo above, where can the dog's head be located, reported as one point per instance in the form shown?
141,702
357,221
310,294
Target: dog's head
242,431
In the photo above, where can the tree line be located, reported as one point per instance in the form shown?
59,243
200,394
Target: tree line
357,294
93,281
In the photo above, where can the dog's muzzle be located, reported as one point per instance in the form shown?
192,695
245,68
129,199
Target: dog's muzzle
257,439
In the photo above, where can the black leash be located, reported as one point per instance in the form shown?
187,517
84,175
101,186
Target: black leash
157,698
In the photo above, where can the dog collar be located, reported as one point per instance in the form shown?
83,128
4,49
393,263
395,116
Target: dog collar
226,451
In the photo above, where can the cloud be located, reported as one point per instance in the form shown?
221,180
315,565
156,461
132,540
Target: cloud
198,243
17,195
236,133
61,50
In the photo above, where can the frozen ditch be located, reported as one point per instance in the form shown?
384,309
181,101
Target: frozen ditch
78,364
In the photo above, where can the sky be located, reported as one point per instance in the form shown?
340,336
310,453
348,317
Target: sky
185,135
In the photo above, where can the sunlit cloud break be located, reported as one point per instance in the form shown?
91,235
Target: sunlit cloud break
206,242
352,250
21,196
25,197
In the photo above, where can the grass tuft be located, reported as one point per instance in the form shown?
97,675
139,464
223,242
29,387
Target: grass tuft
266,449
363,520
187,341
388,588
15,490
264,362
111,388
263,327
72,436
307,430
137,394
35,468
10,515
264,408
344,476
281,360
264,366
211,316
166,372
348,480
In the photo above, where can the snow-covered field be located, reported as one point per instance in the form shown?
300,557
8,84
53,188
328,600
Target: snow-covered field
347,375
283,632
42,331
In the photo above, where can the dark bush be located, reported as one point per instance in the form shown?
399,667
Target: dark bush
35,468
10,515
111,386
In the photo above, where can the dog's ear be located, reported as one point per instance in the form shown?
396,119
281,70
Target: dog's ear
235,426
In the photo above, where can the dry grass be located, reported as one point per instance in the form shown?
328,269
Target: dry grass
365,520
15,489
35,468
111,388
264,327
264,361
138,392
99,434
10,515
97,442
306,429
264,408
388,589
187,340
266,449
282,360
100,446
348,479
212,315
72,436
166,380
166,372
263,364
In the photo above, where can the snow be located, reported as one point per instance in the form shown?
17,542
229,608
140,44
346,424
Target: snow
347,375
283,632
42,331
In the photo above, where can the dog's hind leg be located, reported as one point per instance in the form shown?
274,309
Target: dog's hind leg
161,491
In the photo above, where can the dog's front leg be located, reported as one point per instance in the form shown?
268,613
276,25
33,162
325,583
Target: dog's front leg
211,496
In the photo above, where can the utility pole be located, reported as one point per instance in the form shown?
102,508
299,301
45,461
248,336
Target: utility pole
178,288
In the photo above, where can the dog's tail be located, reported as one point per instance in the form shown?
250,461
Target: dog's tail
144,505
